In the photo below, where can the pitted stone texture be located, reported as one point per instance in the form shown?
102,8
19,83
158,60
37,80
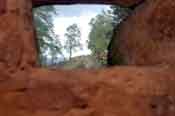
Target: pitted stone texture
126,91
2,6
17,48
148,36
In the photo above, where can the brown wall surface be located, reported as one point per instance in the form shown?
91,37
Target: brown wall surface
27,90
147,37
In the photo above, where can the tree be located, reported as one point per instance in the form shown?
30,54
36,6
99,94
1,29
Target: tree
102,29
73,36
100,35
48,41
119,14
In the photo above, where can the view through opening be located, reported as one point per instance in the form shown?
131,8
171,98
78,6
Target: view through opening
76,36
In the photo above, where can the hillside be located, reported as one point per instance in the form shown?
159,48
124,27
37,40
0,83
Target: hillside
83,62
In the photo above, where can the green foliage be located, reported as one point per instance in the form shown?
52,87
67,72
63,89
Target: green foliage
119,14
48,42
102,31
99,38
100,35
73,36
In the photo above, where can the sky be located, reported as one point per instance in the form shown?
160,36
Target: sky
81,15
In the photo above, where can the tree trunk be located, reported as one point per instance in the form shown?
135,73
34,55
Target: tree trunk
70,54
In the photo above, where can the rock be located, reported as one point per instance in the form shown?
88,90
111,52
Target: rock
108,92
146,38
27,90
17,45
80,62
125,3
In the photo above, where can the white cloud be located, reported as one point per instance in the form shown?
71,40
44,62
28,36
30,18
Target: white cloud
61,23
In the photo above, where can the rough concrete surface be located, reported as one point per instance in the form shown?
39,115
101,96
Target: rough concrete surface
27,90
